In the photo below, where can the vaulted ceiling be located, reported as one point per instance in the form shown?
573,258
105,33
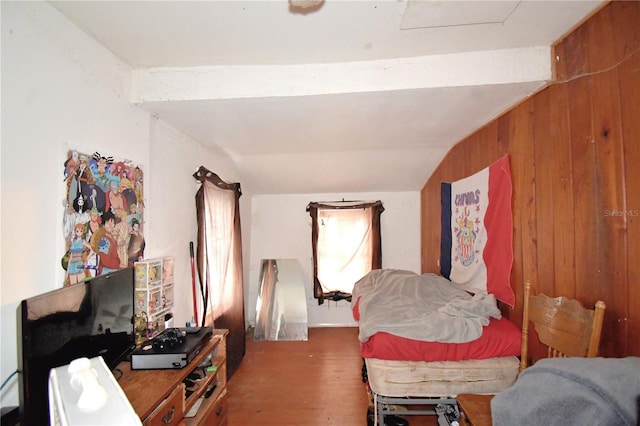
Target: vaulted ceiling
369,95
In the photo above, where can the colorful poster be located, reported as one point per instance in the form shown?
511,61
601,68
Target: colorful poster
103,222
477,228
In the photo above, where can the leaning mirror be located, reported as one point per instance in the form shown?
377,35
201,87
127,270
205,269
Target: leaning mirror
281,308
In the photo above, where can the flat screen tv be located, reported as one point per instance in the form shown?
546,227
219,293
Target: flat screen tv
88,319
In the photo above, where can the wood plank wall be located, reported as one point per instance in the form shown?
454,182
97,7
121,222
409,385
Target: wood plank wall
575,160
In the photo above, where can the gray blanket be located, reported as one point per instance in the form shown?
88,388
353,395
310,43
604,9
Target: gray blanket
572,391
421,307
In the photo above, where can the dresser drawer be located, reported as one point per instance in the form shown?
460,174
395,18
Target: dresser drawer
170,412
217,415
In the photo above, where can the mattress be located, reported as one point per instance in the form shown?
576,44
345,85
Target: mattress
441,378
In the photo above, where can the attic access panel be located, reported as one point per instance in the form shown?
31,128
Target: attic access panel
434,14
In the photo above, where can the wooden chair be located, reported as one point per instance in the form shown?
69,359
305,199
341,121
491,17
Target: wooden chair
563,325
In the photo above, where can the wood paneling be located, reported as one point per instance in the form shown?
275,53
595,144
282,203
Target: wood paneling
610,206
575,150
630,113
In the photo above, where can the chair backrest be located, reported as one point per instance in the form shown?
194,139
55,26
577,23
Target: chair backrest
563,325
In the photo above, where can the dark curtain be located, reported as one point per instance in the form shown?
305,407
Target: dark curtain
373,209
219,261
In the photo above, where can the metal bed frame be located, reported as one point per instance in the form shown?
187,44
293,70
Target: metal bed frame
446,408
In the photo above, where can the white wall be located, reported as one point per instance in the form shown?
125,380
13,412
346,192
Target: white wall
281,229
61,90
171,203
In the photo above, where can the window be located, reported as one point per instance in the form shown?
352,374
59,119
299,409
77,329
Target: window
346,245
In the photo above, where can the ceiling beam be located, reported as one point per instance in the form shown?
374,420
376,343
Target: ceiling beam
467,69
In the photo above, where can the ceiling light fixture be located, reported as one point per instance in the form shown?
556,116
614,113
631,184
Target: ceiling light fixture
305,6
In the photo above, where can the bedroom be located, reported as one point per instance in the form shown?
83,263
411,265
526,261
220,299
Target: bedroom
48,118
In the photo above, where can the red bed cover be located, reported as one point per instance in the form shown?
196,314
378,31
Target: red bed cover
499,338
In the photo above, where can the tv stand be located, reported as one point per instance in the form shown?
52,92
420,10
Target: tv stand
166,397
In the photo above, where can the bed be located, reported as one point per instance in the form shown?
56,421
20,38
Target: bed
424,341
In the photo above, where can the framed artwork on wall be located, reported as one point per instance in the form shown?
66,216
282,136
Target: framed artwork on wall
103,220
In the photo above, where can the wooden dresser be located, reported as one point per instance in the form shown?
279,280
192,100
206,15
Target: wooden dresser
159,397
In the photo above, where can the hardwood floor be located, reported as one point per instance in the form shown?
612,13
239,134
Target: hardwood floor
315,382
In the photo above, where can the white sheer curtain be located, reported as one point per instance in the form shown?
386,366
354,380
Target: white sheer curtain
344,248
219,258
218,251
346,243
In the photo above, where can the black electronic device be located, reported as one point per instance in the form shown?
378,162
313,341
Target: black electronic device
173,348
88,319
170,339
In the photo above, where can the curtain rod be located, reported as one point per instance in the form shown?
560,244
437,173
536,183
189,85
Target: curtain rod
346,203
